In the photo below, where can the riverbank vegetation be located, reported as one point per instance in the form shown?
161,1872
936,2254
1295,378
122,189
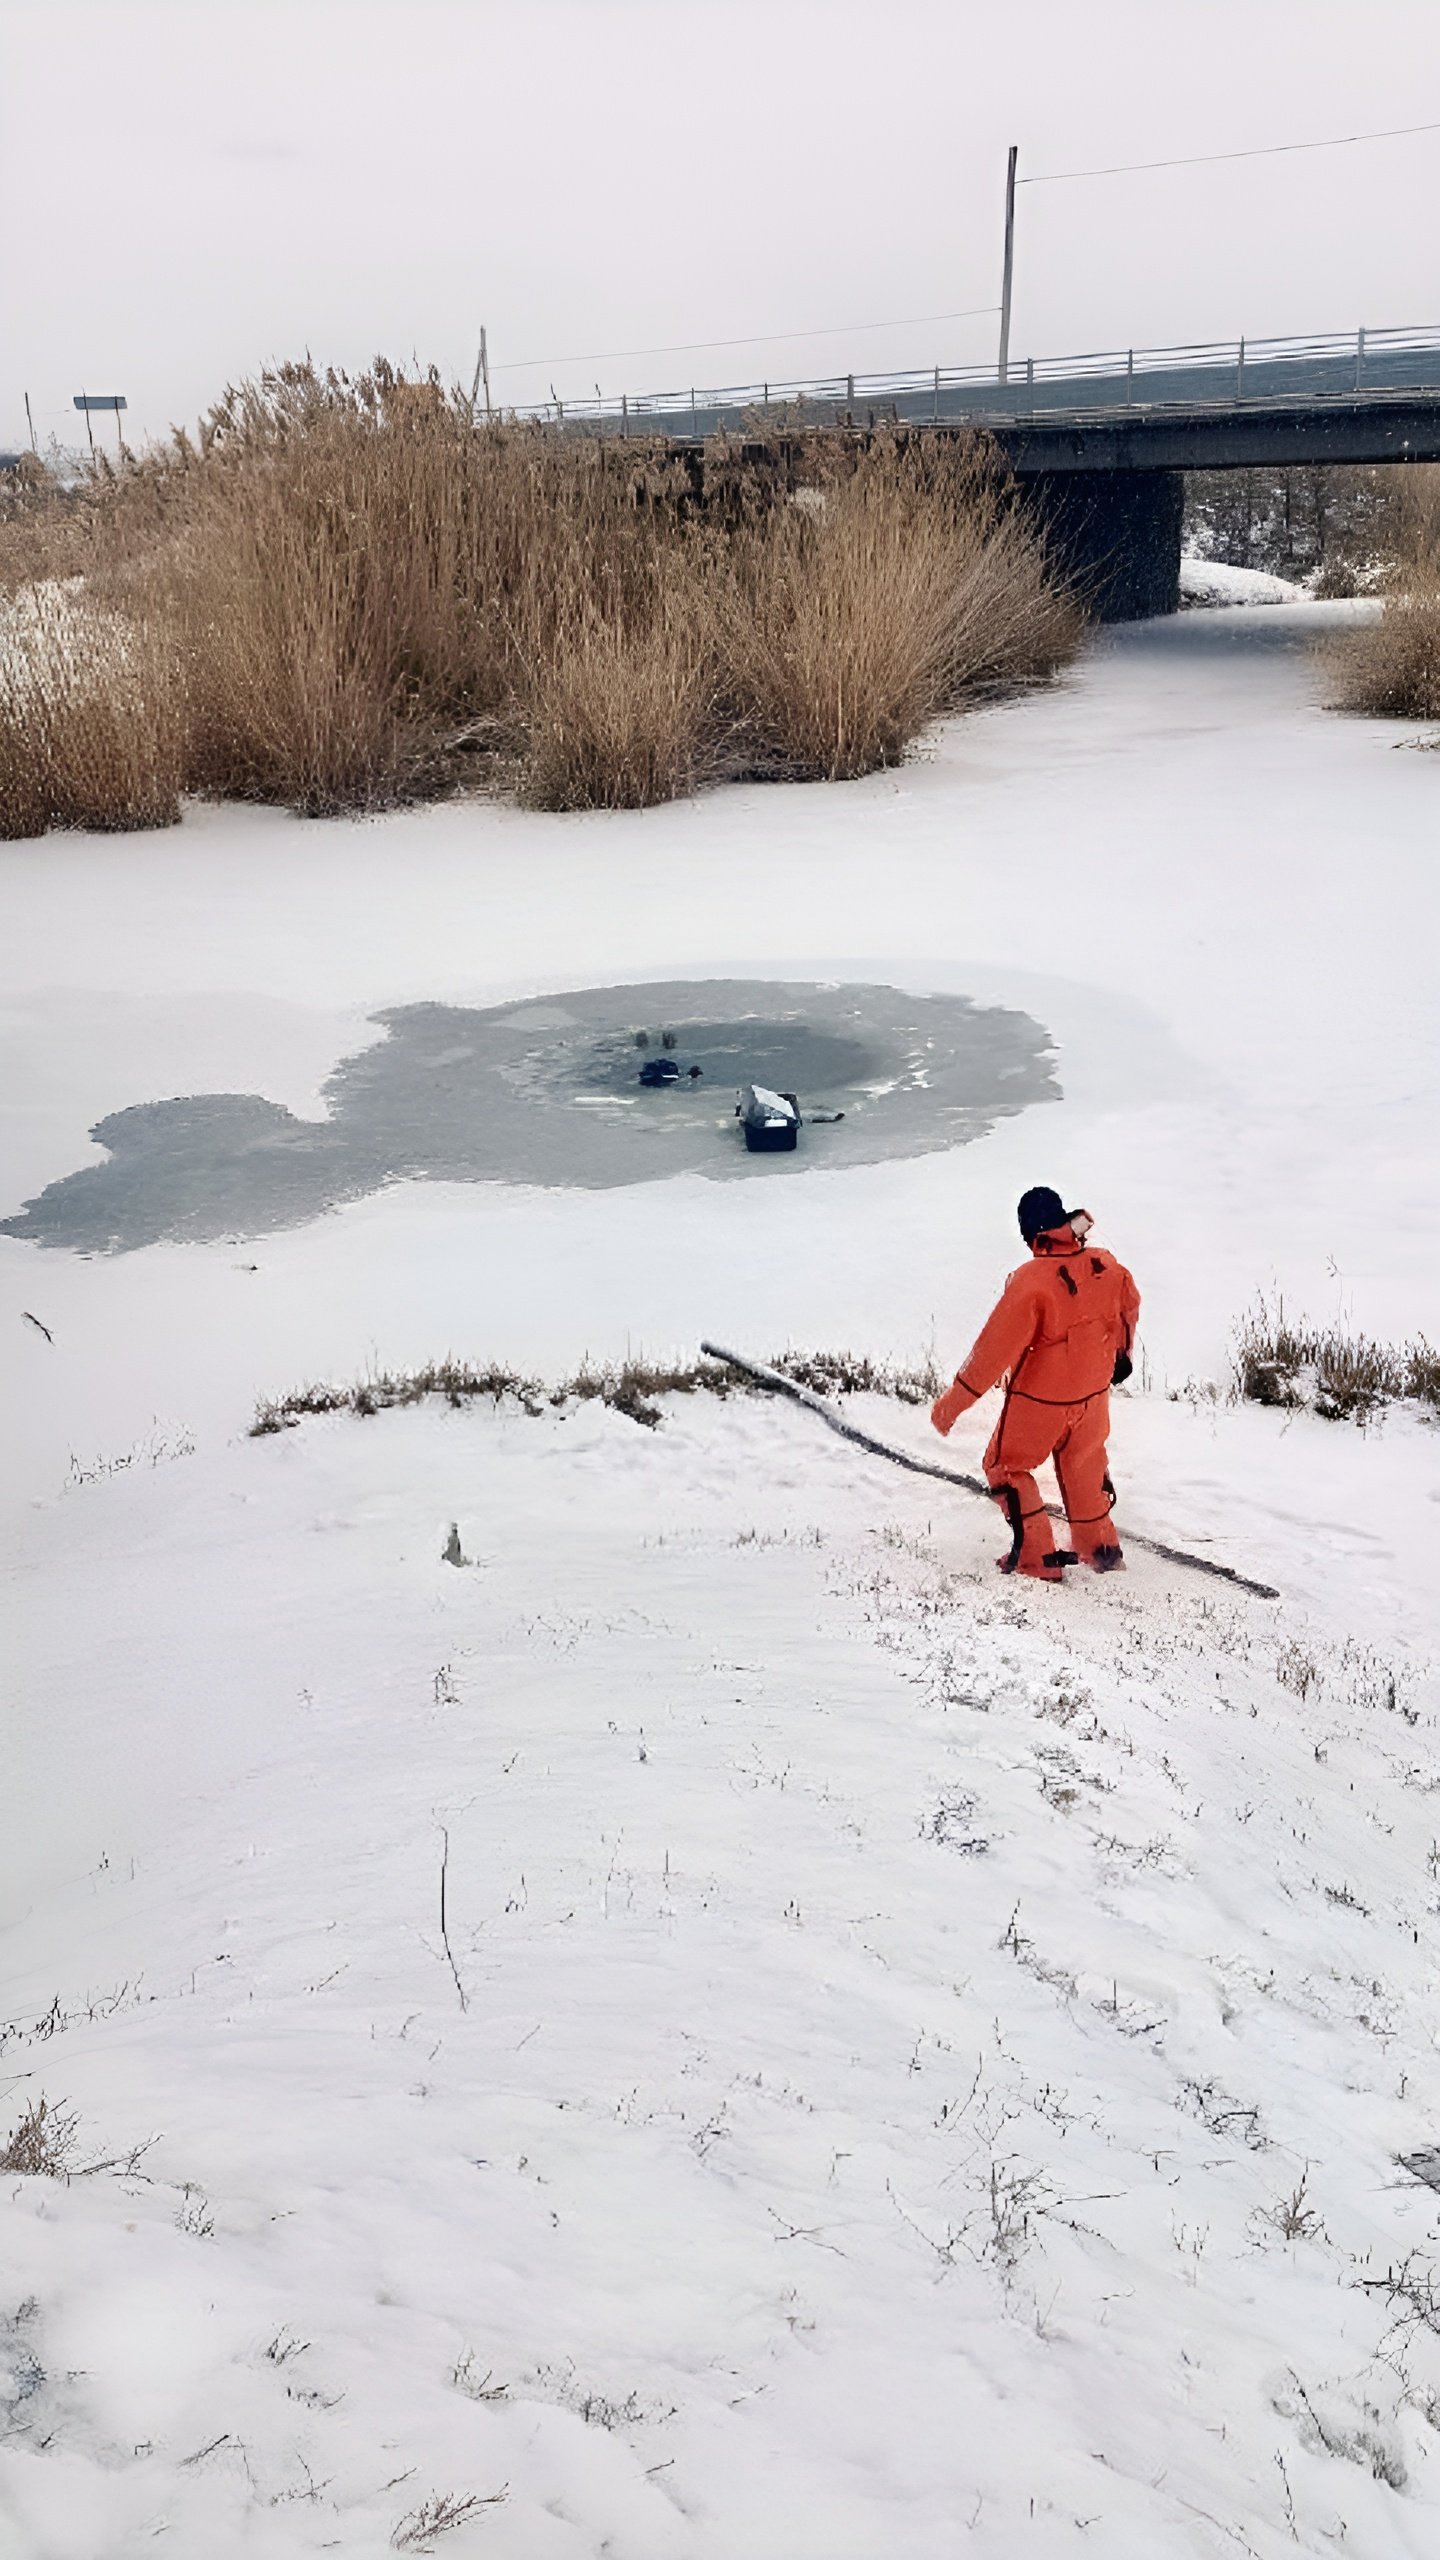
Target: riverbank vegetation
1328,1369
341,595
1391,669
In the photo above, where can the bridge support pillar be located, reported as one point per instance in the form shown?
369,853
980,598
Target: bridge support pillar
1116,535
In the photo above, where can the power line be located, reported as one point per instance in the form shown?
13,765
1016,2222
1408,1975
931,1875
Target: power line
1203,159
777,337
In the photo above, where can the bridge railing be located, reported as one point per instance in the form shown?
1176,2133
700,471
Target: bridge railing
1225,373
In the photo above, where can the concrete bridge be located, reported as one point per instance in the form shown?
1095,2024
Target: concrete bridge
1103,441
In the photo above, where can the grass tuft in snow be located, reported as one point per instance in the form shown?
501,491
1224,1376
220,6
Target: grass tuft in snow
1343,1376
851,1373
421,2530
42,2144
628,1386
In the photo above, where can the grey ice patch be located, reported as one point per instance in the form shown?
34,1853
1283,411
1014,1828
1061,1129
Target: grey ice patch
549,1093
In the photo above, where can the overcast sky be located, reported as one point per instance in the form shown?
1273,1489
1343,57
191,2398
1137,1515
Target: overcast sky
192,189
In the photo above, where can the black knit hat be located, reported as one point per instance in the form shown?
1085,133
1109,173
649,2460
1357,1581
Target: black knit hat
1039,1212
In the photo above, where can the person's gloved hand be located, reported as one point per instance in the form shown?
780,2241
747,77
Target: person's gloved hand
1124,1367
946,1410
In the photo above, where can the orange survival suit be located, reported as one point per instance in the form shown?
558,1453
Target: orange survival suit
1064,1324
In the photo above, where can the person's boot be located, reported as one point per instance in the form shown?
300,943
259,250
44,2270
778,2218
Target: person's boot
1109,1559
1038,1564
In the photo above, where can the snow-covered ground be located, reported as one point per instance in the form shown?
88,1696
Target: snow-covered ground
925,2063
1208,582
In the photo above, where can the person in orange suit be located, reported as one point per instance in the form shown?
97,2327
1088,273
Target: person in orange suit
1061,1337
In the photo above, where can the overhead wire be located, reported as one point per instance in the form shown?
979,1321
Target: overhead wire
775,338
979,311
1204,159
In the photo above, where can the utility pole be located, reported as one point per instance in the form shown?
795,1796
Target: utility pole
482,374
1009,263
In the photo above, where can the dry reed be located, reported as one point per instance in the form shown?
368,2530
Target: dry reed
92,722
1342,1376
910,583
621,717
629,1386
346,594
1391,668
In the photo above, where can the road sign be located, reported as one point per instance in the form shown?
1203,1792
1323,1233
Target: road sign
114,401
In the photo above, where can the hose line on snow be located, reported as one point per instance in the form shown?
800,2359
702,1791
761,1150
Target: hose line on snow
783,1386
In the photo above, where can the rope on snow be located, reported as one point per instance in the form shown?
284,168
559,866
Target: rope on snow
783,1386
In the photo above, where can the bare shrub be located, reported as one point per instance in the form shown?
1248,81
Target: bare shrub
1294,2216
476,2386
1411,2290
1342,1376
1223,2115
42,2144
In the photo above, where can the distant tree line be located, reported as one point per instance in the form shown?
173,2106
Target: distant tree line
1328,524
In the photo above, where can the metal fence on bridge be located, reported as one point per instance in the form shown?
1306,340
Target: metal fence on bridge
1369,364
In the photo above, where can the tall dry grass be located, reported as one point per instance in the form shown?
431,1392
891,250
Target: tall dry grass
92,722
911,584
346,594
622,715
1391,668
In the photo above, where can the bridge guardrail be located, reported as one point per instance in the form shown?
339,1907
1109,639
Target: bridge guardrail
1228,373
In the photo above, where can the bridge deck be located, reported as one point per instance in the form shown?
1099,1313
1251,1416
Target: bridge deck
1373,397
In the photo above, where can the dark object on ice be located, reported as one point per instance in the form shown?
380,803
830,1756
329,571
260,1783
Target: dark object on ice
780,1385
1424,2165
667,1039
771,1121
694,1074
659,1071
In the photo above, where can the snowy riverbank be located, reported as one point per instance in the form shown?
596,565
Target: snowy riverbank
918,2065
